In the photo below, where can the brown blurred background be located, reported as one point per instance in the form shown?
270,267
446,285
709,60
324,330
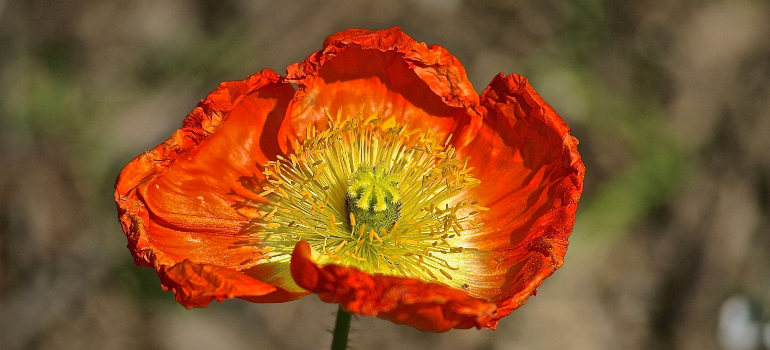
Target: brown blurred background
670,100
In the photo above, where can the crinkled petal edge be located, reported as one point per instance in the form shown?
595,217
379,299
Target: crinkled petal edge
441,71
555,226
426,306
195,285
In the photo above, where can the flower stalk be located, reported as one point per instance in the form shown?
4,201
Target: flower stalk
341,330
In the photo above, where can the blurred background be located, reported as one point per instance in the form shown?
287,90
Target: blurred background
670,100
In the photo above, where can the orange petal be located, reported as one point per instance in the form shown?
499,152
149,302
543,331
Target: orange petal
195,285
531,179
426,306
386,73
189,198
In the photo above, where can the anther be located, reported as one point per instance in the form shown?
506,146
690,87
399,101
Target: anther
340,246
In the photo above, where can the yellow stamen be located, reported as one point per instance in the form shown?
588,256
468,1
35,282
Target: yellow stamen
399,188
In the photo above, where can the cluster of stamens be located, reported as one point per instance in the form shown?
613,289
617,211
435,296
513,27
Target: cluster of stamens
373,198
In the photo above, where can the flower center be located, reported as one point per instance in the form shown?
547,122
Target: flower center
371,195
373,198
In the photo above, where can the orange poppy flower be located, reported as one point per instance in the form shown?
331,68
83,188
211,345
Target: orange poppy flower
383,183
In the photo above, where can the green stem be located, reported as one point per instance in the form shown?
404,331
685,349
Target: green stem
341,330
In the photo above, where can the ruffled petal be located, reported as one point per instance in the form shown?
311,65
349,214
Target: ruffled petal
426,306
384,73
188,200
195,285
531,179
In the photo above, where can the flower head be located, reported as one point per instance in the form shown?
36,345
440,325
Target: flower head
383,183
